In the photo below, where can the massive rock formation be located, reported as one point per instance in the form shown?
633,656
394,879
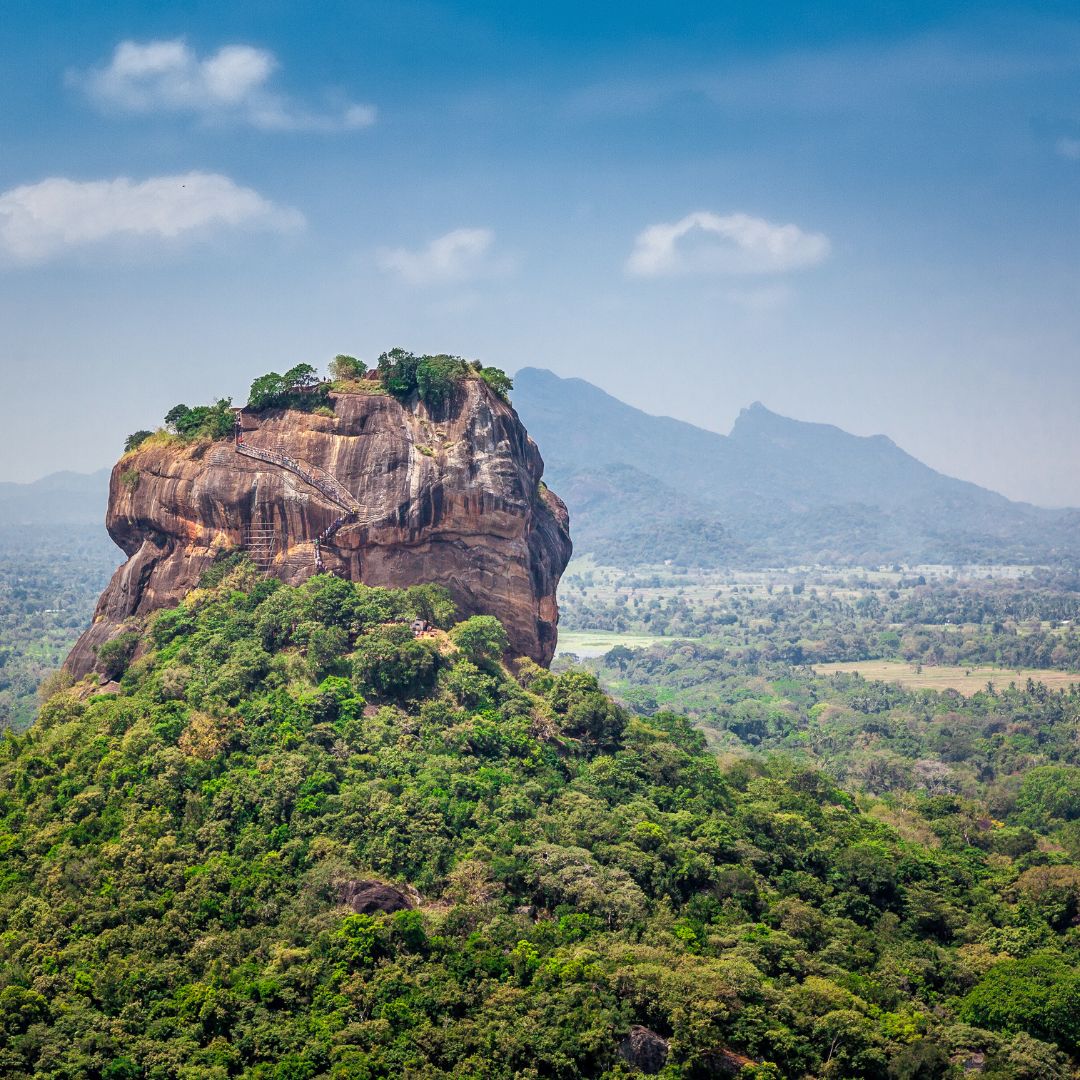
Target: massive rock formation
399,495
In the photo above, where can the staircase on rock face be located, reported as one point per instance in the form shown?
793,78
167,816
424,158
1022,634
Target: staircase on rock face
260,541
326,484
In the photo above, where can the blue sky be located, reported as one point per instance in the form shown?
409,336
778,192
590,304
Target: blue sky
858,214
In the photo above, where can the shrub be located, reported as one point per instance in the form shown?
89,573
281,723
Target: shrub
498,380
135,440
298,388
390,662
431,378
347,368
482,639
115,655
203,421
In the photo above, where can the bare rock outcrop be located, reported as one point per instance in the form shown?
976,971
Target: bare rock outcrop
398,495
369,897
644,1050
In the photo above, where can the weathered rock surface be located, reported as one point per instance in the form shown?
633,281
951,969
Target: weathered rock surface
368,897
454,498
644,1050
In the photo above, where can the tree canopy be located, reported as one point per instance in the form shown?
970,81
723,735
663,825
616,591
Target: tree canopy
177,861
299,388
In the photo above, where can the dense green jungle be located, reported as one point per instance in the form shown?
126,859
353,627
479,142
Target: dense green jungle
865,882
50,580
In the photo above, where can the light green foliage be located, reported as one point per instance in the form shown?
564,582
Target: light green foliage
481,638
1038,994
1049,792
344,368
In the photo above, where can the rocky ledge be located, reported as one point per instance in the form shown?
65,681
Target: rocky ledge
384,492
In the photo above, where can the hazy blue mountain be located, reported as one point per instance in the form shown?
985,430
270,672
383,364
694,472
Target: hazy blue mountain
774,490
67,498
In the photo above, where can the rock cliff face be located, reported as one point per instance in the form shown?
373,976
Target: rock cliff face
398,494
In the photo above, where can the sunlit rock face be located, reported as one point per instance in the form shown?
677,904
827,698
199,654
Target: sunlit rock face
452,496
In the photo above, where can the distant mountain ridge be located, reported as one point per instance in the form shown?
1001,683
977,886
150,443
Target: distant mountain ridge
61,498
776,490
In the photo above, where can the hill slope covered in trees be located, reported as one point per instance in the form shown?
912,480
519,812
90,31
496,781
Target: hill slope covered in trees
182,864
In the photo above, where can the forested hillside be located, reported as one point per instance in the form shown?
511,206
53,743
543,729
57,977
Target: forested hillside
297,841
50,579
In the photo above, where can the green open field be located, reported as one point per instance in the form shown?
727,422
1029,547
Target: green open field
966,680
587,643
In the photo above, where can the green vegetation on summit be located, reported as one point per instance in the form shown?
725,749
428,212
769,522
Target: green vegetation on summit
182,862
430,378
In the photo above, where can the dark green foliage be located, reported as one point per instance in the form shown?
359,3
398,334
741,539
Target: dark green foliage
115,655
922,1060
397,372
433,378
135,440
591,715
389,662
498,380
436,377
298,388
203,421
173,859
431,603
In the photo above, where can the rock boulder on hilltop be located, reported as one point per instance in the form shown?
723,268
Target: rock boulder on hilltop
384,492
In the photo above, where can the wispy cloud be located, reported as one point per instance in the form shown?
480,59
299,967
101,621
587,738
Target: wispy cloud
1069,148
45,220
704,242
459,255
230,85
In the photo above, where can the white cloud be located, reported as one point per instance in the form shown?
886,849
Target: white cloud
704,242
43,220
1069,148
460,255
228,85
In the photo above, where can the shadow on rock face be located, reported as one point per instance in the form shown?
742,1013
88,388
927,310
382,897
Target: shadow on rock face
368,897
644,1050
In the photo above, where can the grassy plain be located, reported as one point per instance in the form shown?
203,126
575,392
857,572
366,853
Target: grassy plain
967,680
588,643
